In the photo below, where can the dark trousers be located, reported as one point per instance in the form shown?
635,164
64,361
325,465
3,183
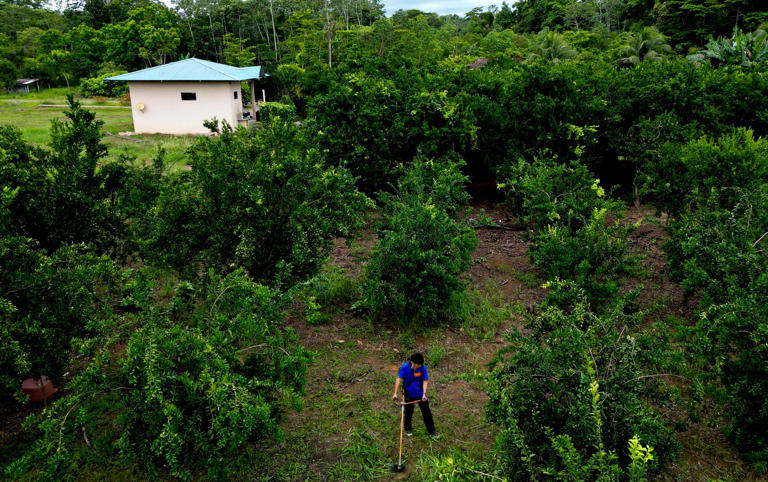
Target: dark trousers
426,414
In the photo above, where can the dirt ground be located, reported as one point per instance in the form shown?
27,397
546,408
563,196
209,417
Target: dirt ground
457,395
348,421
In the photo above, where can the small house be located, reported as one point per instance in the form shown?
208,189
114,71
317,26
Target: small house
23,85
177,98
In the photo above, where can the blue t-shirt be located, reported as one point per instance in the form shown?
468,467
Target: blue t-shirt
412,381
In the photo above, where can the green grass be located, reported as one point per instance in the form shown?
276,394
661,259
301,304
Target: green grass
529,280
489,312
58,94
349,427
27,113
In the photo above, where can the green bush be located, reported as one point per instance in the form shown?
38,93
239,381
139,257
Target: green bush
187,384
64,197
97,86
269,110
414,271
688,176
732,338
573,385
719,253
415,267
441,182
713,249
262,200
45,302
577,233
548,193
46,299
717,188
594,257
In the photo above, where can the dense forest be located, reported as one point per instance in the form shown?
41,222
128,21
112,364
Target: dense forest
164,303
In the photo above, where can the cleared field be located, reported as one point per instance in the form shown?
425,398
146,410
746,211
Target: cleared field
31,114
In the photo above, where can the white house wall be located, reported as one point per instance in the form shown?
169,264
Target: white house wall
165,113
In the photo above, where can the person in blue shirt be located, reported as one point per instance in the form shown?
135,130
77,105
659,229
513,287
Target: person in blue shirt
415,380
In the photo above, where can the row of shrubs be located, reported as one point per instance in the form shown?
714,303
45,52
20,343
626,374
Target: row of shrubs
574,387
716,189
155,298
196,363
613,119
569,392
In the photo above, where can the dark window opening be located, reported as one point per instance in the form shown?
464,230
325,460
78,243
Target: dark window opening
188,96
235,95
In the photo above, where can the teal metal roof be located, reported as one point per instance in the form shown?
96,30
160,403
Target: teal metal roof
192,70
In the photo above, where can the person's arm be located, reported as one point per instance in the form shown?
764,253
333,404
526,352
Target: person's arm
426,384
397,385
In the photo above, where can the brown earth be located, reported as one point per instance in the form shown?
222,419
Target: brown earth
457,395
348,416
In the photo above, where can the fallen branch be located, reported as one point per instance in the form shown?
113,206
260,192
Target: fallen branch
656,375
506,227
264,345
85,436
759,239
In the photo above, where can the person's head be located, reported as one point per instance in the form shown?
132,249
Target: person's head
417,359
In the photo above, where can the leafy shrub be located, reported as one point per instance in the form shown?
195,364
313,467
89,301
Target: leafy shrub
689,175
573,236
715,249
45,299
63,196
258,200
269,110
421,250
732,338
441,182
573,385
549,193
719,252
374,123
45,302
593,257
97,86
415,267
645,144
196,380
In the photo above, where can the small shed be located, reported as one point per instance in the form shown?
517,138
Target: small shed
23,85
177,98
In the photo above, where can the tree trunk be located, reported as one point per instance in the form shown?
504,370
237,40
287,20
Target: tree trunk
274,30
329,31
192,34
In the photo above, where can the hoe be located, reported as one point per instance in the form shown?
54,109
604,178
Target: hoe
400,468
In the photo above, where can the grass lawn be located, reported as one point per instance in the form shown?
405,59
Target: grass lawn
28,113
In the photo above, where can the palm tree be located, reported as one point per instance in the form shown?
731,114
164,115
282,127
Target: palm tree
647,45
552,46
